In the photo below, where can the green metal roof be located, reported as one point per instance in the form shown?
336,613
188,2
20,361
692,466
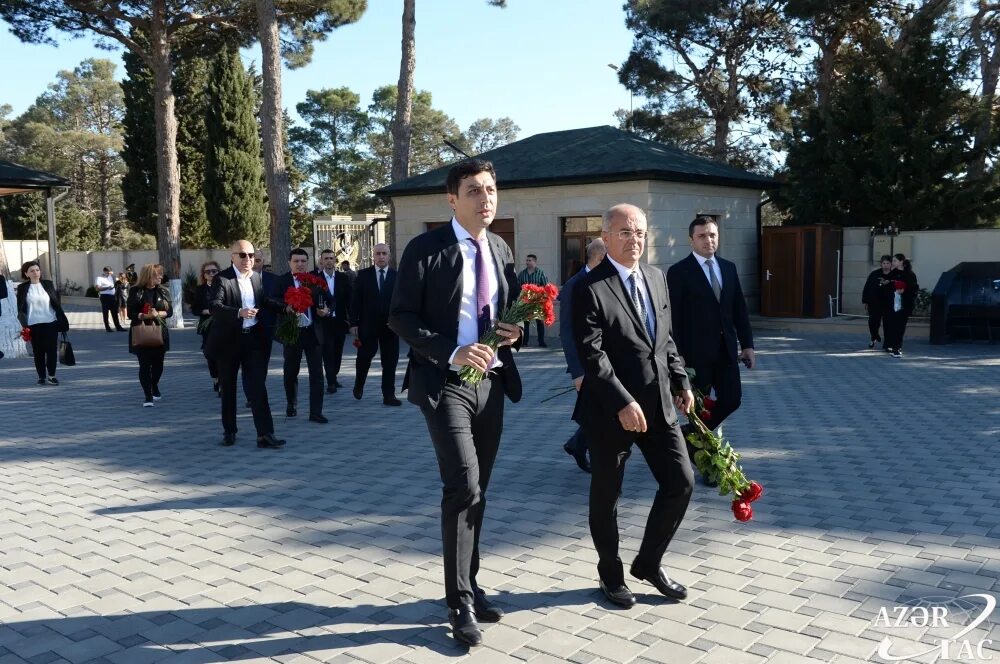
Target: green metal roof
590,155
15,179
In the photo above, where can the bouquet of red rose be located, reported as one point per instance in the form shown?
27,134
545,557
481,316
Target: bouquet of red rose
26,334
534,303
147,310
298,299
897,297
717,461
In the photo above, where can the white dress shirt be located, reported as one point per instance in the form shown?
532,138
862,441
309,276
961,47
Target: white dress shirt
468,317
330,280
105,285
40,309
246,295
715,268
641,286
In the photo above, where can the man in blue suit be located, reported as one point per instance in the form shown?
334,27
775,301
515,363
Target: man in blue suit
576,446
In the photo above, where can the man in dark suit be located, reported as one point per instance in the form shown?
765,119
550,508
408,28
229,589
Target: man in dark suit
310,338
621,326
237,342
576,446
266,318
336,324
372,294
452,282
710,316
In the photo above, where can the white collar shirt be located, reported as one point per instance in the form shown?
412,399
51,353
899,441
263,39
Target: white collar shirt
105,285
331,279
642,287
247,299
715,268
468,317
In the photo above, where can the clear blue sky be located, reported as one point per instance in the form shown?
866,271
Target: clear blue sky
543,63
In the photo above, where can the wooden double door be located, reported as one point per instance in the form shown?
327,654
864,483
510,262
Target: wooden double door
799,270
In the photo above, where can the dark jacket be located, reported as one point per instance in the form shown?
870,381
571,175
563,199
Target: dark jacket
158,298
873,294
22,304
340,320
277,296
225,303
369,306
909,296
699,319
573,366
620,363
425,308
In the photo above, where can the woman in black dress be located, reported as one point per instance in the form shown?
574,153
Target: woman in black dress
201,309
149,304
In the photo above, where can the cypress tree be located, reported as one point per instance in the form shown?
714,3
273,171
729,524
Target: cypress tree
234,185
191,88
139,143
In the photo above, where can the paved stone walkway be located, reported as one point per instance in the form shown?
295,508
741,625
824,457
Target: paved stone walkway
129,535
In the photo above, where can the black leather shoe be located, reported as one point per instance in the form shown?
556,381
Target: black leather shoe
392,401
660,581
581,459
619,595
331,389
336,384
318,419
485,610
464,627
229,439
268,440
291,412
358,391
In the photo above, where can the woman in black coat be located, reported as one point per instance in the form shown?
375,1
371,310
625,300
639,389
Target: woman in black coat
200,308
39,310
895,323
148,291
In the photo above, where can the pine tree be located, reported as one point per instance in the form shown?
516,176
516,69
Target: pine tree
139,151
191,88
234,185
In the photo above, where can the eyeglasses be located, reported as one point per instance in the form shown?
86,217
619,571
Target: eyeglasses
628,235
243,254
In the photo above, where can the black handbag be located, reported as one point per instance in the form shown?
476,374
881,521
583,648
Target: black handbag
66,355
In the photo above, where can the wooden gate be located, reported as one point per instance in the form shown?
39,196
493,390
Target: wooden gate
799,270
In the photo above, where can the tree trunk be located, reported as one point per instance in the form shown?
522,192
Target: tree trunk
401,129
989,70
168,176
272,128
104,186
4,268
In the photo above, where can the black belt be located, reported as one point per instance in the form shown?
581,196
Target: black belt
453,378
249,330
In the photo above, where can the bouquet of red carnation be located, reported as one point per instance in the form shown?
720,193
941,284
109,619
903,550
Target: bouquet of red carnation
148,310
310,279
26,334
299,299
897,297
717,461
534,303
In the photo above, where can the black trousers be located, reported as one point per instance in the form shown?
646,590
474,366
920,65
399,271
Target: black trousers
724,376
309,346
876,318
150,370
664,450
249,354
386,343
895,328
333,350
541,332
578,441
44,346
268,334
109,304
465,429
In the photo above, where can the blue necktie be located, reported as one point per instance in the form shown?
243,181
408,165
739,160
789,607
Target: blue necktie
640,305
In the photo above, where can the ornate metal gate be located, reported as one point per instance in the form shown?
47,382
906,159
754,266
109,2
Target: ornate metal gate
351,241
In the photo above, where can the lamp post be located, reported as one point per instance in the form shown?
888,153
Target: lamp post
629,124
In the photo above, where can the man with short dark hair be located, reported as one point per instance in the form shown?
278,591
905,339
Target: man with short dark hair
335,325
532,274
105,285
370,300
452,283
310,338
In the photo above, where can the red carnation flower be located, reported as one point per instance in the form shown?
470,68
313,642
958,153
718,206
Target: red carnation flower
742,510
709,403
752,493
356,342
899,285
26,334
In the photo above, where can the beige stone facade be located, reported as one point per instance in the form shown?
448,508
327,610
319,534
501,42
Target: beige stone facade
538,212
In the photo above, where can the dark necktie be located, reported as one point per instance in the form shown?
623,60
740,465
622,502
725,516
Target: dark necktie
381,279
640,305
714,280
484,315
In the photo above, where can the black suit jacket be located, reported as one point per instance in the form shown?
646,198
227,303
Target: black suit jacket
620,363
699,319
277,297
425,307
22,303
340,321
369,306
225,302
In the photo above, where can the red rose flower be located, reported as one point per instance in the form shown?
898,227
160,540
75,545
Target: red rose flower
752,493
899,285
147,309
742,510
709,403
356,342
26,334
704,415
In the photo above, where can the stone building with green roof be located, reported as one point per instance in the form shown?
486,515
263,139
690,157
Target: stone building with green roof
555,186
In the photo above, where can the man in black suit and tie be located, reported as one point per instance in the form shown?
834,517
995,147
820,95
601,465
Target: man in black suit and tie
237,342
453,281
336,324
709,317
372,294
310,338
621,326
